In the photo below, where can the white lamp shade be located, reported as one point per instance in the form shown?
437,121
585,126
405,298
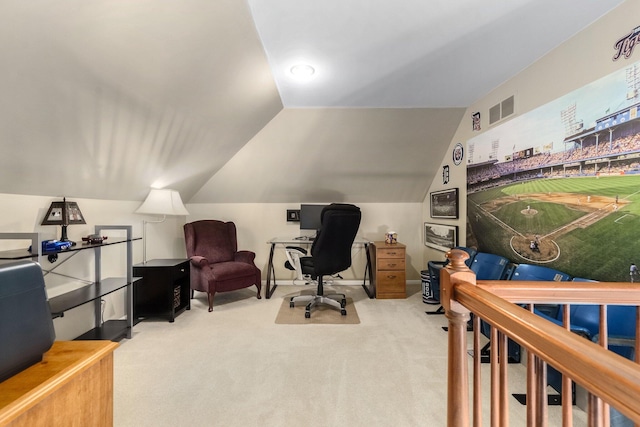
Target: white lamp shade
163,202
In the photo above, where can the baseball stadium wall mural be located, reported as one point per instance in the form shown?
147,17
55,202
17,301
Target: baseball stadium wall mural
560,186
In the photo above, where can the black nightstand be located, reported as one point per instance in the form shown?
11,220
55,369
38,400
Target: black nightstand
164,290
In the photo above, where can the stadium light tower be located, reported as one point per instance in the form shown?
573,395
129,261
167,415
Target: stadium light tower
633,82
571,125
495,144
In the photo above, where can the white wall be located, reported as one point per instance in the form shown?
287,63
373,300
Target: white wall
258,223
584,58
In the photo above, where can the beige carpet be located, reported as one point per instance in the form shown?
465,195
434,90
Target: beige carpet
320,315
235,367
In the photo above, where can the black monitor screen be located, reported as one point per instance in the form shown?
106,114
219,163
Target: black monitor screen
310,216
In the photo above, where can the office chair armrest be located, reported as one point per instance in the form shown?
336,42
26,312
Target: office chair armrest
437,264
296,250
199,261
245,256
620,341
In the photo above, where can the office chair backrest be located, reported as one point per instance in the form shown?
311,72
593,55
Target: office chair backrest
331,249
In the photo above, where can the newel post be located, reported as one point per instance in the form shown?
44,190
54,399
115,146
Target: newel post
458,315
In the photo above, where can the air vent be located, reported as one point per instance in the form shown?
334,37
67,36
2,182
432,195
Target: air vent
501,110
494,114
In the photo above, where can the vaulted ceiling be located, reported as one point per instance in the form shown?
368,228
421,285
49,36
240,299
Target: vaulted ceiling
104,99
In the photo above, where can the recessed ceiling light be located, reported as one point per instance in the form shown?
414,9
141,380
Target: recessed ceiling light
302,71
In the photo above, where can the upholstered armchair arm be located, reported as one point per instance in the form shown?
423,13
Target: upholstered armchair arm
245,256
199,261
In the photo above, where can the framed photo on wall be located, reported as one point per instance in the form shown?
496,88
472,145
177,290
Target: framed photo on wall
439,236
444,204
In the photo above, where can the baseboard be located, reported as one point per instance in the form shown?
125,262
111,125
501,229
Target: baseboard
334,282
348,282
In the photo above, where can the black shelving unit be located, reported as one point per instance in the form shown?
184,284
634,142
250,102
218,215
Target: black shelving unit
83,295
112,330
89,292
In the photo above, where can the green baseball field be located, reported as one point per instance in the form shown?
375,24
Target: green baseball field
585,226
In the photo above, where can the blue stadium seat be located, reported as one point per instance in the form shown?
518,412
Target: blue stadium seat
523,272
493,267
434,268
541,274
489,266
538,273
621,321
584,320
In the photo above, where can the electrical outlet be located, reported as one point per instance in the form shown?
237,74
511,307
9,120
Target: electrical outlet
293,215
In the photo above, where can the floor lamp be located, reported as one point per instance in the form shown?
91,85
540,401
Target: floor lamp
159,202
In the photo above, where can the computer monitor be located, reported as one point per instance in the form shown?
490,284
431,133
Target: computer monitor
310,216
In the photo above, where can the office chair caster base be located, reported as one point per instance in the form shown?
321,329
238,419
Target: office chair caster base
338,301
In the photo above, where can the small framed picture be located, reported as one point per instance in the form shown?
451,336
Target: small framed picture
444,204
441,237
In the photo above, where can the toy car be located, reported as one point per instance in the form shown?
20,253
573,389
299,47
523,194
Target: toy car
52,247
55,245
94,238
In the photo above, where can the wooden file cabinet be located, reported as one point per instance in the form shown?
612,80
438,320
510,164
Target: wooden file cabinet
389,269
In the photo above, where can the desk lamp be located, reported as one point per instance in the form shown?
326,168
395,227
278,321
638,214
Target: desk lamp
63,213
159,202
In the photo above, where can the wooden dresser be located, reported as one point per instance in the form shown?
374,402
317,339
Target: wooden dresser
72,386
389,269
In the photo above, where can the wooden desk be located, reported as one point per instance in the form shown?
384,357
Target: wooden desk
72,386
278,241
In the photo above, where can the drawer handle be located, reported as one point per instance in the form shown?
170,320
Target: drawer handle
392,253
392,265
391,276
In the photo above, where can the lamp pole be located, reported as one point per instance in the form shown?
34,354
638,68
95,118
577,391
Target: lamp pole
144,236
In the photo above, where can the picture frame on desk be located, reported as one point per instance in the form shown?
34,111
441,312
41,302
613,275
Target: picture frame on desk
444,204
440,236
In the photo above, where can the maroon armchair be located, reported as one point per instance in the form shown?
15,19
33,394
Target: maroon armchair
216,263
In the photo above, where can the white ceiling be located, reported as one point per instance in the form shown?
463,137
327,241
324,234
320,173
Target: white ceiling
410,53
103,99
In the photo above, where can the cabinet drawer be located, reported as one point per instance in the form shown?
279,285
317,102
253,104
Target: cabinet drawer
390,280
390,252
162,273
391,264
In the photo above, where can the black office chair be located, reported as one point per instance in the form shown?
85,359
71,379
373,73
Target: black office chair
330,254
293,263
294,254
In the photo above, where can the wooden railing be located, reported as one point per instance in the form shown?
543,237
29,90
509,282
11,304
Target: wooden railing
608,378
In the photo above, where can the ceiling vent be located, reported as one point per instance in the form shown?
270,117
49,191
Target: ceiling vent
502,110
